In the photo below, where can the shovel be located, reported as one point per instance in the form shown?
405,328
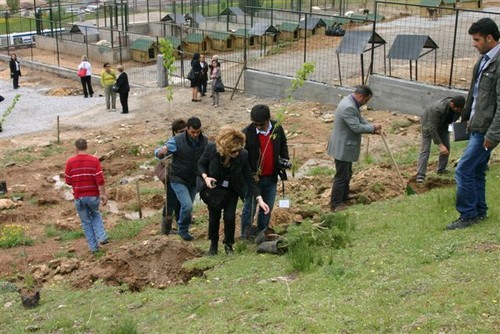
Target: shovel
409,189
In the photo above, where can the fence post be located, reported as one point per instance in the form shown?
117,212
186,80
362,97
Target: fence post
162,79
453,49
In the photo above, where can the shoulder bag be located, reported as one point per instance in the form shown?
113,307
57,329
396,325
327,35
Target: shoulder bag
219,86
82,72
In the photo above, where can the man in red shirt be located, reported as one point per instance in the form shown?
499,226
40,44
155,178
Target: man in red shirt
266,144
84,174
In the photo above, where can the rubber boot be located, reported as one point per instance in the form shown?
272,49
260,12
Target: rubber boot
166,225
213,249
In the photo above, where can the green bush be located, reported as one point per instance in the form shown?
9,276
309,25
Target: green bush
12,235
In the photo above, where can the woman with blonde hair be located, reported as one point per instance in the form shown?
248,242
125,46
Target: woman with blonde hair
225,173
85,74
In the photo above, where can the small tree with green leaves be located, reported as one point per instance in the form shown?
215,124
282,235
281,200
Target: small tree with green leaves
168,51
251,3
9,110
298,81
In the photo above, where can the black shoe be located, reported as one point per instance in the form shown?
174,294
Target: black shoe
482,217
212,251
443,172
105,241
186,236
462,223
123,112
229,249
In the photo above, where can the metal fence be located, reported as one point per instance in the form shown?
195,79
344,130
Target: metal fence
376,41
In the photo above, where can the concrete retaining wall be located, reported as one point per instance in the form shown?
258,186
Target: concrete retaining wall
409,97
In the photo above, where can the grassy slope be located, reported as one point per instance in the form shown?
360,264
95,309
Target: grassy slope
403,274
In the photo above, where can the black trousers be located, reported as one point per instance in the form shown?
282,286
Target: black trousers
87,85
15,79
341,180
229,218
124,102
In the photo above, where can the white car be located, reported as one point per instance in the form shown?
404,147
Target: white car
92,8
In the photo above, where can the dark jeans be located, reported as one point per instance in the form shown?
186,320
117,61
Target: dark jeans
172,204
203,86
124,102
267,185
87,85
341,180
229,217
471,178
15,80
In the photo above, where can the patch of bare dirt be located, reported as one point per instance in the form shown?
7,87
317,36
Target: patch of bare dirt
156,262
125,149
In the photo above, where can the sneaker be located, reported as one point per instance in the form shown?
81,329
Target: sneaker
104,242
420,179
482,217
462,223
113,109
443,172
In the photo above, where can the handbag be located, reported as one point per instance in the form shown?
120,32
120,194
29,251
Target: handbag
214,198
190,76
82,72
460,131
115,88
219,86
162,168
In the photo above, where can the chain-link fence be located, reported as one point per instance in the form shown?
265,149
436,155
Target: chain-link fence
414,42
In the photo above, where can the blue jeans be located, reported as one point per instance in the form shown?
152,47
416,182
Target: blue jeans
471,179
88,210
267,185
185,195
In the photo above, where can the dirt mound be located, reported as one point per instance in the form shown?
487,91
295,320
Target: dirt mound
156,262
64,91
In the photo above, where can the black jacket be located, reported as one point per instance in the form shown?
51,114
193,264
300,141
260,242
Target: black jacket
252,145
12,65
239,173
122,83
184,166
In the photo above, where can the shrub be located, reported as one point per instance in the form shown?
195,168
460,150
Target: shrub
12,235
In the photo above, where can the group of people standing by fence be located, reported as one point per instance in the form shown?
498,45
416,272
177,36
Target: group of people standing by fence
201,73
111,82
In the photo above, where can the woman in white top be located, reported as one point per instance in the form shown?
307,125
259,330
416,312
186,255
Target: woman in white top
86,78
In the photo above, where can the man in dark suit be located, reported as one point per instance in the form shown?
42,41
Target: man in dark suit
345,142
15,70
123,88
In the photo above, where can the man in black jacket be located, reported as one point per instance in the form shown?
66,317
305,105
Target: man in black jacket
266,144
187,149
123,88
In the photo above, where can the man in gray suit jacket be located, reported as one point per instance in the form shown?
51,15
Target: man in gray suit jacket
345,142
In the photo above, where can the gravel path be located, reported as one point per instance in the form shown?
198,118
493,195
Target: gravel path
35,111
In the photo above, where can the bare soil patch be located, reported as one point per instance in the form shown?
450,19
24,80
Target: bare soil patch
32,163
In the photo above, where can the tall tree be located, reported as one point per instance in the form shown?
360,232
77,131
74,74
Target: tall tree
251,3
13,5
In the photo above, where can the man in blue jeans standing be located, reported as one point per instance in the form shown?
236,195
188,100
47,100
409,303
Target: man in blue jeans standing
84,174
266,144
482,113
186,148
